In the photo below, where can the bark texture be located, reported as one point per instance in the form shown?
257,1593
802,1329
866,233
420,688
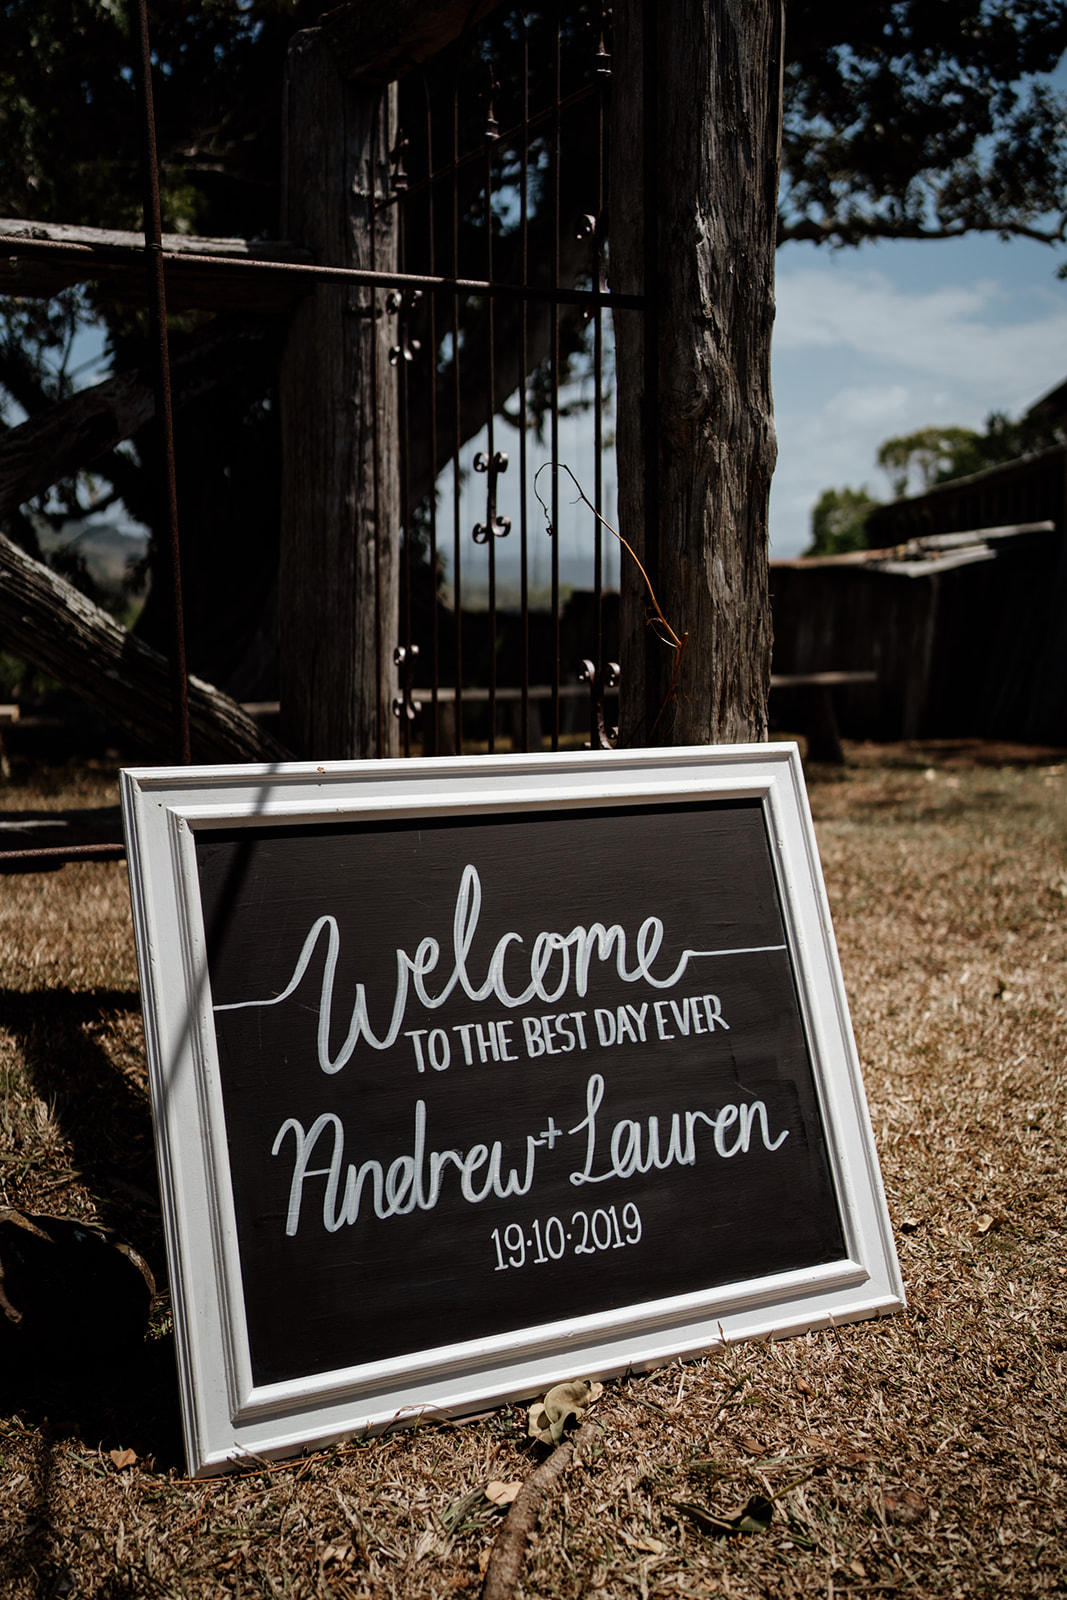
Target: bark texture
708,76
340,494
47,622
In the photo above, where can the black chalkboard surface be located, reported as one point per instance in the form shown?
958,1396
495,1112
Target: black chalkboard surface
498,1070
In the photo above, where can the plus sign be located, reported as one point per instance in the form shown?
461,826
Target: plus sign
551,1133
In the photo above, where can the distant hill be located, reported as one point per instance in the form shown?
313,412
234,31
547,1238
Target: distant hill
107,548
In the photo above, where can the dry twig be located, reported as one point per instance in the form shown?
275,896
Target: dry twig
509,1547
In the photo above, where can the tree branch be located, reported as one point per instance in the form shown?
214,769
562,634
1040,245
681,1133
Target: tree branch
855,231
49,623
79,432
509,1548
380,44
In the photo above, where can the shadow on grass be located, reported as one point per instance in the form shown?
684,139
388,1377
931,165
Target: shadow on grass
103,1116
130,1404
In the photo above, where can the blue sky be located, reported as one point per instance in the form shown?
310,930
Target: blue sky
868,343
894,336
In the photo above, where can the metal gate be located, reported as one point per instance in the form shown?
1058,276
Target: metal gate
508,628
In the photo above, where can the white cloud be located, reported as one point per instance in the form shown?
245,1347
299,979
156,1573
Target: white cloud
966,333
860,355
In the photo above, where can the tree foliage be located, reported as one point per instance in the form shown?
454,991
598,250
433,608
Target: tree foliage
839,521
924,119
915,462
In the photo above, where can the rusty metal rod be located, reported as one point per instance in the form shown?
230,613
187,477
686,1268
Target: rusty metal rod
66,852
180,261
157,318
524,362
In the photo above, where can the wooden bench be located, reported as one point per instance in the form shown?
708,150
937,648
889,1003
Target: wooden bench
819,719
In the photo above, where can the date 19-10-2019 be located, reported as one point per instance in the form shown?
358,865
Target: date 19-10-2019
550,1240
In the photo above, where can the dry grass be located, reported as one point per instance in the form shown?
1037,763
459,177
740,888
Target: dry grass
920,1455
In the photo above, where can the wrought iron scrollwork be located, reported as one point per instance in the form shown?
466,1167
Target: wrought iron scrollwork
493,527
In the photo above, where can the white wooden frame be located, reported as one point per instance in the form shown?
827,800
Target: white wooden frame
226,1417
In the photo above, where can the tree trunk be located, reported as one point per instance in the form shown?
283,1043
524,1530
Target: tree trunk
46,621
696,445
340,444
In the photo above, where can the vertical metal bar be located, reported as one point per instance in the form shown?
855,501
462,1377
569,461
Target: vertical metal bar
379,647
435,645
555,388
524,234
597,698
490,443
157,316
402,340
650,154
457,439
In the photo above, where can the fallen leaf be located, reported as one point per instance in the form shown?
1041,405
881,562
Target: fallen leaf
501,1493
751,1446
754,1517
548,1417
984,1223
484,1558
857,1569
906,1507
654,1547
123,1458
804,1387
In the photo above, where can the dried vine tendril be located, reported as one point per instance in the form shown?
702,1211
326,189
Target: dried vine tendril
654,617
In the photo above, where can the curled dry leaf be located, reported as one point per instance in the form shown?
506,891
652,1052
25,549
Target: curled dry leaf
123,1458
751,1446
652,1547
804,1386
753,1517
501,1493
904,1507
548,1417
984,1223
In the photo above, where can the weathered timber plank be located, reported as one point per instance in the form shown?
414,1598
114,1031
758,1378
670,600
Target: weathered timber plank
39,259
47,622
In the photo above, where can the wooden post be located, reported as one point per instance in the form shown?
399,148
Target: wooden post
708,73
340,493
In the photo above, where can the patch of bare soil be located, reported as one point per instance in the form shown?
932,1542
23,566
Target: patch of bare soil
925,1454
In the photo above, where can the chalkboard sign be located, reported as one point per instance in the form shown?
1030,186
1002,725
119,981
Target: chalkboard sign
473,1075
